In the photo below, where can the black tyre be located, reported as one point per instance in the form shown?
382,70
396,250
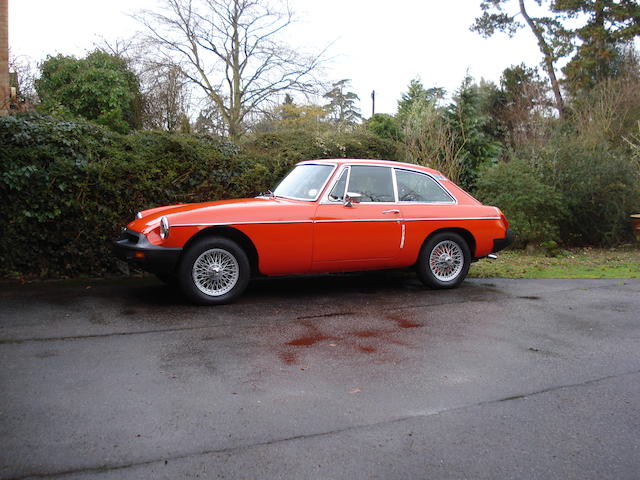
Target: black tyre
213,271
444,260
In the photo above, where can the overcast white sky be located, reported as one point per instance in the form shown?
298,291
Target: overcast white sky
380,45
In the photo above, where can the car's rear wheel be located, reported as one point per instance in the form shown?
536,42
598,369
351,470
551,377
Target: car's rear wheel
213,271
444,260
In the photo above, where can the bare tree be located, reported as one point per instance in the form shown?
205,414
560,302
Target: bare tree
167,97
610,112
231,50
522,107
209,122
165,90
554,40
430,140
22,75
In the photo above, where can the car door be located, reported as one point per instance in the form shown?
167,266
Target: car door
422,201
364,234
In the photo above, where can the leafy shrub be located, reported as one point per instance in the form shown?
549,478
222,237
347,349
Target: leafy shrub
295,145
600,188
385,126
533,208
574,192
99,87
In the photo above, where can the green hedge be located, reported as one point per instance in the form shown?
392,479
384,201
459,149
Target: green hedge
534,209
69,186
570,192
600,187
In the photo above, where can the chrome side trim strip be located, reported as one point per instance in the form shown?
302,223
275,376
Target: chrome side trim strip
271,222
223,224
449,219
354,220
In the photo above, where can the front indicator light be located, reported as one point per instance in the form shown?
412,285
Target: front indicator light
139,255
164,228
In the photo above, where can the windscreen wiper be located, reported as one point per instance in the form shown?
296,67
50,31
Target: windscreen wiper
268,194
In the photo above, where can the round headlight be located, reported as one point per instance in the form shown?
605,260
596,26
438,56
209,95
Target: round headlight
164,227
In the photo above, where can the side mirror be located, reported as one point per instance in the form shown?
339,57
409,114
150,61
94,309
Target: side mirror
350,198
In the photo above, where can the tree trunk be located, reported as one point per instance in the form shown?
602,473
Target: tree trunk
548,59
600,48
235,95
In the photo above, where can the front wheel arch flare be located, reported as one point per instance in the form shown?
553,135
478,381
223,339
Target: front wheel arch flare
232,234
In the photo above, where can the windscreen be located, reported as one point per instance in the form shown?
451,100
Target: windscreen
304,182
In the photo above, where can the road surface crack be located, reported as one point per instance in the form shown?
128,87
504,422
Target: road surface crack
164,460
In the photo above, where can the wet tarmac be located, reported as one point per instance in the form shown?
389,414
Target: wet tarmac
331,377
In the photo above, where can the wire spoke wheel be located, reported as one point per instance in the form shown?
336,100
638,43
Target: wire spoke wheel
446,260
215,272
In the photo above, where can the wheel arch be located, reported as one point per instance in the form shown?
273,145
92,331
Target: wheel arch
464,233
232,234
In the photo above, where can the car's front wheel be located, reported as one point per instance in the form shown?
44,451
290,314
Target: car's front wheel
444,260
213,271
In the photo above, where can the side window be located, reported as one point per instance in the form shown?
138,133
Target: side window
337,192
415,187
373,183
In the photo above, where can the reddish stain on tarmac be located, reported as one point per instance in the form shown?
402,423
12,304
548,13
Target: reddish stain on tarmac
369,333
403,322
408,324
313,335
307,341
288,357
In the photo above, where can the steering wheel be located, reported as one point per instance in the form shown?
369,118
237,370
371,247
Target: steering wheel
409,195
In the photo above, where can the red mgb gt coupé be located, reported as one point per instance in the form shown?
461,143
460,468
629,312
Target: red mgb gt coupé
325,216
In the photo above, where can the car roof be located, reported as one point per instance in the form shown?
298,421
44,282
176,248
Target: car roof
385,163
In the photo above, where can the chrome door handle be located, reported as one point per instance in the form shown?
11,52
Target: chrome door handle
391,211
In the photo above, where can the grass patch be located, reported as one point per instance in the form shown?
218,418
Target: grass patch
576,263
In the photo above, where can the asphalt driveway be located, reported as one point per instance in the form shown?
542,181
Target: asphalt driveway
357,376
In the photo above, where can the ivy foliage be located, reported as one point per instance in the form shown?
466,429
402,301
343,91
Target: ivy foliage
68,187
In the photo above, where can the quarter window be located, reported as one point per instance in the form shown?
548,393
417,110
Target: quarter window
415,187
337,192
373,183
